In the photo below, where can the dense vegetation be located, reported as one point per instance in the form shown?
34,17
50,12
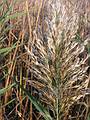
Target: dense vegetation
44,60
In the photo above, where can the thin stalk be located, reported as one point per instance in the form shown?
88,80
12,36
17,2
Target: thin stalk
29,47
20,88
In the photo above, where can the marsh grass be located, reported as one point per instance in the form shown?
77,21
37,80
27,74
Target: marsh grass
44,60
18,65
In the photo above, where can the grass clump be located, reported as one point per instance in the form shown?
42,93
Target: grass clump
44,60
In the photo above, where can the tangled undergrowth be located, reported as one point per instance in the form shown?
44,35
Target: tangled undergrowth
44,60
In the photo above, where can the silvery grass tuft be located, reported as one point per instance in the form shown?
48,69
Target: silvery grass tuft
25,62
45,59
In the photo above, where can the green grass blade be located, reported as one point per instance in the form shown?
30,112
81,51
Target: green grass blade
6,14
15,15
5,51
3,90
8,102
36,103
88,117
